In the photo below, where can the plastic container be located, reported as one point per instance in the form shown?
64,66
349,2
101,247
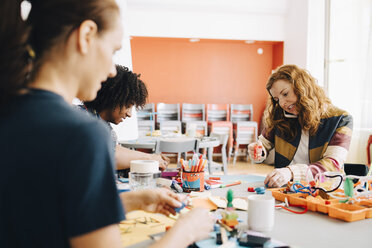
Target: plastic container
140,181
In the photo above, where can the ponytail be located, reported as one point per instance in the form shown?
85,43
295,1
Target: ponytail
50,22
14,55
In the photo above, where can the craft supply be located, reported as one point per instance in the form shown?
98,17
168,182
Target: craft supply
143,174
229,229
256,152
260,190
180,208
169,174
221,237
229,216
356,195
253,241
292,205
193,174
163,182
207,186
214,178
139,225
144,166
196,164
251,189
238,202
176,187
192,181
231,184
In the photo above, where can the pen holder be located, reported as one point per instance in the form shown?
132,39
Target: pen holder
193,181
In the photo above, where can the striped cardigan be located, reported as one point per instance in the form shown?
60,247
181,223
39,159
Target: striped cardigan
328,148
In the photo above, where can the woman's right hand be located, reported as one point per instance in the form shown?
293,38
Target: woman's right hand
196,224
255,151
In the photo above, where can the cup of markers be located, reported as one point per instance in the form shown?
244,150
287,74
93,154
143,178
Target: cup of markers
193,173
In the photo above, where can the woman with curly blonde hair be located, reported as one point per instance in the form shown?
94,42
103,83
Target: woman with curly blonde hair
308,133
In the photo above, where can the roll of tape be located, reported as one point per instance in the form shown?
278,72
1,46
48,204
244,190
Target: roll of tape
144,166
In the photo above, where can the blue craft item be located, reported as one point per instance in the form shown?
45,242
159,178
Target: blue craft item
302,189
124,180
180,208
260,190
176,186
207,186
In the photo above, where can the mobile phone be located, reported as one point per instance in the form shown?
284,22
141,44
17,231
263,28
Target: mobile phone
289,115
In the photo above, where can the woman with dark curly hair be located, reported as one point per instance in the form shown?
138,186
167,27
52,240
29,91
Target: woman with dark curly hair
309,134
114,102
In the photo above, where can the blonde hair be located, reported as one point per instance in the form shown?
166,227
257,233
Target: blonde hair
312,103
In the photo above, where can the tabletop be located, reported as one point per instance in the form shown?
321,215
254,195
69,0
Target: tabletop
311,229
149,142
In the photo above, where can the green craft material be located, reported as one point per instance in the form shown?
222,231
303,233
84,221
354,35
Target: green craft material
349,187
229,198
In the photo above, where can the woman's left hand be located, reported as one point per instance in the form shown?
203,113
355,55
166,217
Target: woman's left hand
278,177
159,200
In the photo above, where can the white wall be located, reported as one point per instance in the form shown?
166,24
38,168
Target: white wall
295,44
128,129
299,23
209,19
315,39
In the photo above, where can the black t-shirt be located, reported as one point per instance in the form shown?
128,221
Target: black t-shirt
56,173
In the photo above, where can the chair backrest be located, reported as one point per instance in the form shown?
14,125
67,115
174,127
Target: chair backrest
176,145
201,127
167,112
246,132
170,127
145,127
217,112
241,112
193,112
147,112
223,127
223,138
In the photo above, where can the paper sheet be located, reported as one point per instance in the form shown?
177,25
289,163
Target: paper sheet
140,224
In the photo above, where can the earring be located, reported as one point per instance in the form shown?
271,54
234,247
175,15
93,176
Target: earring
25,9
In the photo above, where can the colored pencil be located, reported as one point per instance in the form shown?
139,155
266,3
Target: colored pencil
231,184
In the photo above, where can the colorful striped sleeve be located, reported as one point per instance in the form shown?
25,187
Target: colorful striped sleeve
267,140
334,155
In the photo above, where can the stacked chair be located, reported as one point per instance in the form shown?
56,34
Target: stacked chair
146,119
245,130
194,115
169,113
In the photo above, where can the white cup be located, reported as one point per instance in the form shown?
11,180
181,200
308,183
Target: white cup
261,210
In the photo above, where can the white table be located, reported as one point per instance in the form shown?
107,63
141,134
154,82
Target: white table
312,229
149,143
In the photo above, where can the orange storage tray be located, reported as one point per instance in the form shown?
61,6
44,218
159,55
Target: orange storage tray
297,199
278,194
347,212
368,205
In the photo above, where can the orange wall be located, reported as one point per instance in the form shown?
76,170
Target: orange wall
209,71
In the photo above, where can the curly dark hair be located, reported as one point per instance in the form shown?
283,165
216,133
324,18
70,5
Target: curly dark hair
126,89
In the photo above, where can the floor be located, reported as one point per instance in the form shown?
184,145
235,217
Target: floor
242,168
245,168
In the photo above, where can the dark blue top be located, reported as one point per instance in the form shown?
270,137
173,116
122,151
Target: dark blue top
56,173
